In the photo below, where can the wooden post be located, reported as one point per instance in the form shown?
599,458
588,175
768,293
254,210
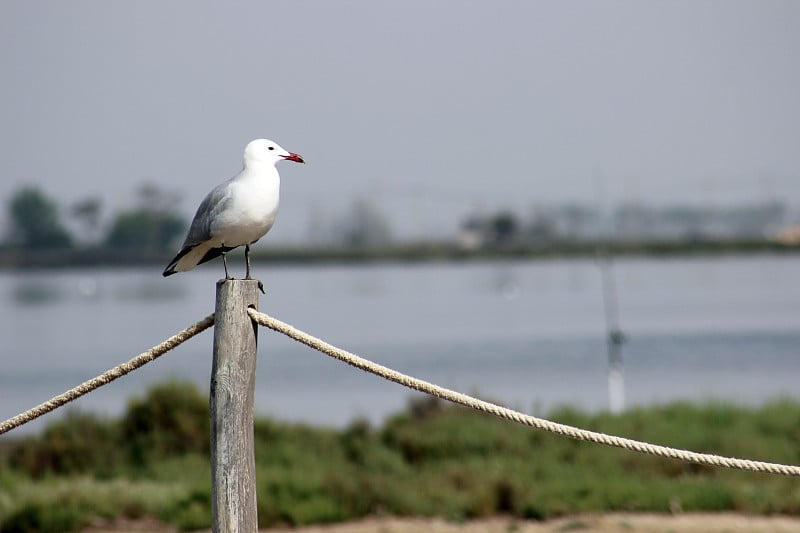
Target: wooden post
233,380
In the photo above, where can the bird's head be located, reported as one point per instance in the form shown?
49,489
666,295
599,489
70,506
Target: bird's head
263,151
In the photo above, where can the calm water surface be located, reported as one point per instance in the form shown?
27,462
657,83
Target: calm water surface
530,334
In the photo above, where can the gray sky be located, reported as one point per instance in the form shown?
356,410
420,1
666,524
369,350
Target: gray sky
430,109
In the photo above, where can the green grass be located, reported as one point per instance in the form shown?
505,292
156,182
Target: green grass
431,460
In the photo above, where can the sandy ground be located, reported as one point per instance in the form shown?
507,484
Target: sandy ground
609,523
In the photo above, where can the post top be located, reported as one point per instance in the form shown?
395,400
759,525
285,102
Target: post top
256,282
242,290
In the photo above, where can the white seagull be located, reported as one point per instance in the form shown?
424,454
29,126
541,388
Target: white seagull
237,212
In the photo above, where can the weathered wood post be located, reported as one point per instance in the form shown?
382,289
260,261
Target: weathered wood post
233,380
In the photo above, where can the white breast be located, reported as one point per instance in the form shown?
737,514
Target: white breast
250,210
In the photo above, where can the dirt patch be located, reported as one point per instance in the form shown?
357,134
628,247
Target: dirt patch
608,523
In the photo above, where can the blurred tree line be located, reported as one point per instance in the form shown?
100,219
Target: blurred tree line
627,222
362,224
37,222
151,224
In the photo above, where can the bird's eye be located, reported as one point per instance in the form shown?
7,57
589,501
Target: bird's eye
271,148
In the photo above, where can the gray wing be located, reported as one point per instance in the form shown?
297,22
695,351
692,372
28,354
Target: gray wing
214,203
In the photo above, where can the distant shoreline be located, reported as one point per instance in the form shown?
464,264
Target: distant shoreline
405,253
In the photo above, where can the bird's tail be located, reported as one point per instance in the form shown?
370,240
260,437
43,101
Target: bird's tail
191,256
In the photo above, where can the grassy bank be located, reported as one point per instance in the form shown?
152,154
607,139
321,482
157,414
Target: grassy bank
408,252
431,460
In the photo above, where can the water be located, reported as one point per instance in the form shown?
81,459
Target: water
529,334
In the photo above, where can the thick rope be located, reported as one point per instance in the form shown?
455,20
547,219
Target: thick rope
509,414
108,376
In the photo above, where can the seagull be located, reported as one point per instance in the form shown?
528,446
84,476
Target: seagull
237,212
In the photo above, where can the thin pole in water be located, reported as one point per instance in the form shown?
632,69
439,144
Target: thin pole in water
614,336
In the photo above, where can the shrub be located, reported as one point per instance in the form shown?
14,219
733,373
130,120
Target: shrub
171,419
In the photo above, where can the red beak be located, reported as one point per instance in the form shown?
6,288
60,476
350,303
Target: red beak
294,157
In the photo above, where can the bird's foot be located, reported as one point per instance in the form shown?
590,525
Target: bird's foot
261,287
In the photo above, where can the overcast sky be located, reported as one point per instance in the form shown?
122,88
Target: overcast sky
430,109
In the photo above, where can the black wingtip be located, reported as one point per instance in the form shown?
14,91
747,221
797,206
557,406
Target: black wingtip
170,270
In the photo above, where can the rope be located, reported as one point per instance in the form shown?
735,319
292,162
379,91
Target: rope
107,377
514,416
402,379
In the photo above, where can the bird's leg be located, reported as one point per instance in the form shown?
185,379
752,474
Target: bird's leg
247,260
225,264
